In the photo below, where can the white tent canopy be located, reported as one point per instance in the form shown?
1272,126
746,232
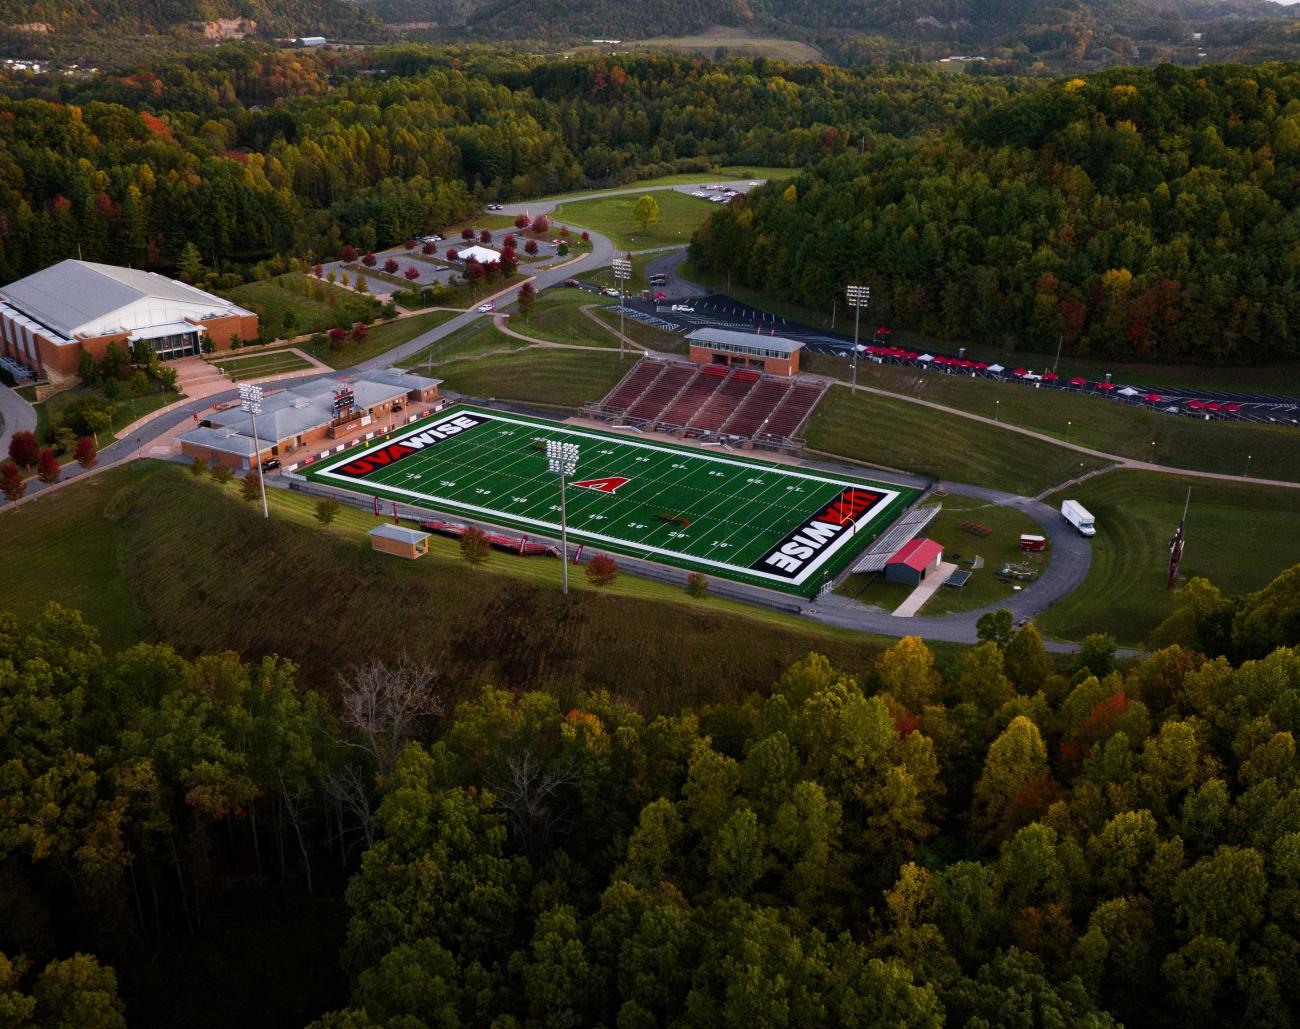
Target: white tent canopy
483,255
925,358
1128,391
996,369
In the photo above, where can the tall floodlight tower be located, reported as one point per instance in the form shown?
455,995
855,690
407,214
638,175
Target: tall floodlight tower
250,401
562,460
859,297
622,272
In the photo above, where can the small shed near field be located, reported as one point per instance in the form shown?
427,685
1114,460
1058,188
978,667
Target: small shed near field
399,541
913,561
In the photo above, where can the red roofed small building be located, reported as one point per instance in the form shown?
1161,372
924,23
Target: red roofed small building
914,561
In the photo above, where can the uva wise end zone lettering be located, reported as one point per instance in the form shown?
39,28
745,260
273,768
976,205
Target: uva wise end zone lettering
785,528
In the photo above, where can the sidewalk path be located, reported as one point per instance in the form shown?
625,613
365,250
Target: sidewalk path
18,415
927,589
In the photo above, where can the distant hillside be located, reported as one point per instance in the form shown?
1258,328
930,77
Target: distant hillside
143,17
1065,31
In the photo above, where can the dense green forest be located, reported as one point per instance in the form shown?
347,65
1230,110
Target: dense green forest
248,152
1000,840
1138,214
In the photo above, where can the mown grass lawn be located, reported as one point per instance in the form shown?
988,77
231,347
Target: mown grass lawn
556,378
379,339
1239,536
679,216
271,363
730,173
482,337
911,438
283,293
1110,426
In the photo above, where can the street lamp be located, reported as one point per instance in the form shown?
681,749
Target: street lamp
858,297
562,460
1152,458
622,272
250,402
1247,472
1067,431
997,410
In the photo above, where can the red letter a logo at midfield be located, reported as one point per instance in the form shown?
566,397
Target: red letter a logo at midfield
608,485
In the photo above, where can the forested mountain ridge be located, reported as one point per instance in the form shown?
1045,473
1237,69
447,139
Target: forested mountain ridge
1066,31
1139,214
138,17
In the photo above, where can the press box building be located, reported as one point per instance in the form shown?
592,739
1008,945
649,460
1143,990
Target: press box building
51,317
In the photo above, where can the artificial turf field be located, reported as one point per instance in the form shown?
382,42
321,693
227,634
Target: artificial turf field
718,513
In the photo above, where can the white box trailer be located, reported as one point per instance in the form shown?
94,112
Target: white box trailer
1078,516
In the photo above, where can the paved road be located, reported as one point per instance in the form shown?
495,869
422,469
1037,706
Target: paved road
18,416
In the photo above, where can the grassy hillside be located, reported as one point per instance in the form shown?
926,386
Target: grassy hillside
157,554
1113,427
912,438
559,378
1238,536
679,216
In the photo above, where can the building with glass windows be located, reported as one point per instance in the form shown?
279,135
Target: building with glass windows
51,317
770,354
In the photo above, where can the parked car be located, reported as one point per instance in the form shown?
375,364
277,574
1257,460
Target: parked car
571,283
609,291
661,296
487,308
755,182
494,207
683,309
270,464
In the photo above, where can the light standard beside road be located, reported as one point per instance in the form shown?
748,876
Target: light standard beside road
250,401
1152,458
858,297
622,272
1246,473
997,410
562,460
1067,431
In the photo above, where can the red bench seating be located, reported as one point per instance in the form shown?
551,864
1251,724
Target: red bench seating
692,398
724,402
760,403
661,392
632,386
792,411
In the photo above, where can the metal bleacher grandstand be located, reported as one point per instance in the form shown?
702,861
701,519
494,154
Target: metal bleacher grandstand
711,402
902,531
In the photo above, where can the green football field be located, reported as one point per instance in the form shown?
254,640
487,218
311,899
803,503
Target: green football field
711,511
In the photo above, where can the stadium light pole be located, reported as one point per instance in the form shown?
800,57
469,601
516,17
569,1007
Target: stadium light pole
622,272
562,460
858,297
250,401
